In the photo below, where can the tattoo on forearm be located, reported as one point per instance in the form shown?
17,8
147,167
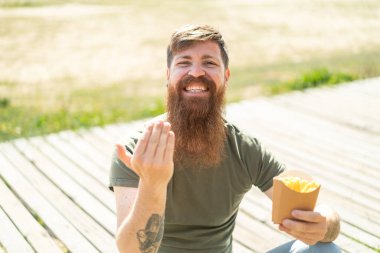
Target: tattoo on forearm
150,237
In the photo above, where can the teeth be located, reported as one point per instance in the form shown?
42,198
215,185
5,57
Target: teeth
195,89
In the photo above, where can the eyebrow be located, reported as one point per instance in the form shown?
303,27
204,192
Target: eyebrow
188,57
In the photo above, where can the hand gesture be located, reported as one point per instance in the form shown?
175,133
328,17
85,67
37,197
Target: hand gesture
152,160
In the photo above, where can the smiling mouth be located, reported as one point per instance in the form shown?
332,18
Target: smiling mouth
195,89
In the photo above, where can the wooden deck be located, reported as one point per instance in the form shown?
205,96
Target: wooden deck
54,195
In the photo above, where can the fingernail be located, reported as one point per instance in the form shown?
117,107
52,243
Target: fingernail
286,222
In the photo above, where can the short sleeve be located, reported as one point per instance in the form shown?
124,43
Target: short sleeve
262,166
120,174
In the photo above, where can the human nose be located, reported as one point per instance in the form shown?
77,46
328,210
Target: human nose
196,71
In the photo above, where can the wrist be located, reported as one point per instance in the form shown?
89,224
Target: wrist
156,190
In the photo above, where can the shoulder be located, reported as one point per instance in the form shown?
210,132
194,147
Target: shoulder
240,137
242,144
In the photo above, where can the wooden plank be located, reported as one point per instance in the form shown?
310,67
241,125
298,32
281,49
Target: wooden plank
96,233
2,249
88,183
245,238
349,245
336,184
261,107
358,218
256,198
315,163
11,238
81,155
302,126
62,228
363,107
340,164
329,128
348,193
369,87
107,137
256,235
33,232
239,248
74,191
297,102
94,140
88,166
313,140
360,235
260,208
290,151
84,148
122,130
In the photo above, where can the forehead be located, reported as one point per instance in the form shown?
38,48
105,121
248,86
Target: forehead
200,49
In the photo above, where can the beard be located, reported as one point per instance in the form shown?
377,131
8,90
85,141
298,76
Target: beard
197,123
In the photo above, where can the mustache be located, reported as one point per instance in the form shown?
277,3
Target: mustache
208,82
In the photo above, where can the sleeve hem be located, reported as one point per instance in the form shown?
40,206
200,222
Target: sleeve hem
269,183
122,182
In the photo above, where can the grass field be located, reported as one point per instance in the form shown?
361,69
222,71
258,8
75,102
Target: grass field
71,64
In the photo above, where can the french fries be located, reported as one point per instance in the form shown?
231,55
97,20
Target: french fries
298,184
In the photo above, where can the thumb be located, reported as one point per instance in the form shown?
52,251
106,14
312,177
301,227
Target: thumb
123,155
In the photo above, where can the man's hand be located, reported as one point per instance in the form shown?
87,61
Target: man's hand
152,160
307,226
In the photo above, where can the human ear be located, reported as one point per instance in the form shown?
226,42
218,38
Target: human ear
227,74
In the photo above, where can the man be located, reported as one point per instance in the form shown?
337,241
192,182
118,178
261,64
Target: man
178,183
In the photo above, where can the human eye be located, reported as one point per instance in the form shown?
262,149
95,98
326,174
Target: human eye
210,64
183,63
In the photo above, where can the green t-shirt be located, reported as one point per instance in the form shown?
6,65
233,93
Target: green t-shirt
202,204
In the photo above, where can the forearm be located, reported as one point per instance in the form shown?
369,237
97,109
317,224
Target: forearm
333,223
142,230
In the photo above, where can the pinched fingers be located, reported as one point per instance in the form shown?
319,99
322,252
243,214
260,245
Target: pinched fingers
162,144
143,140
169,151
154,140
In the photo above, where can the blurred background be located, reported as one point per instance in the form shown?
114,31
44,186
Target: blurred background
72,64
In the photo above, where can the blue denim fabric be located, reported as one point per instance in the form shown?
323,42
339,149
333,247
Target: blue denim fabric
300,247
